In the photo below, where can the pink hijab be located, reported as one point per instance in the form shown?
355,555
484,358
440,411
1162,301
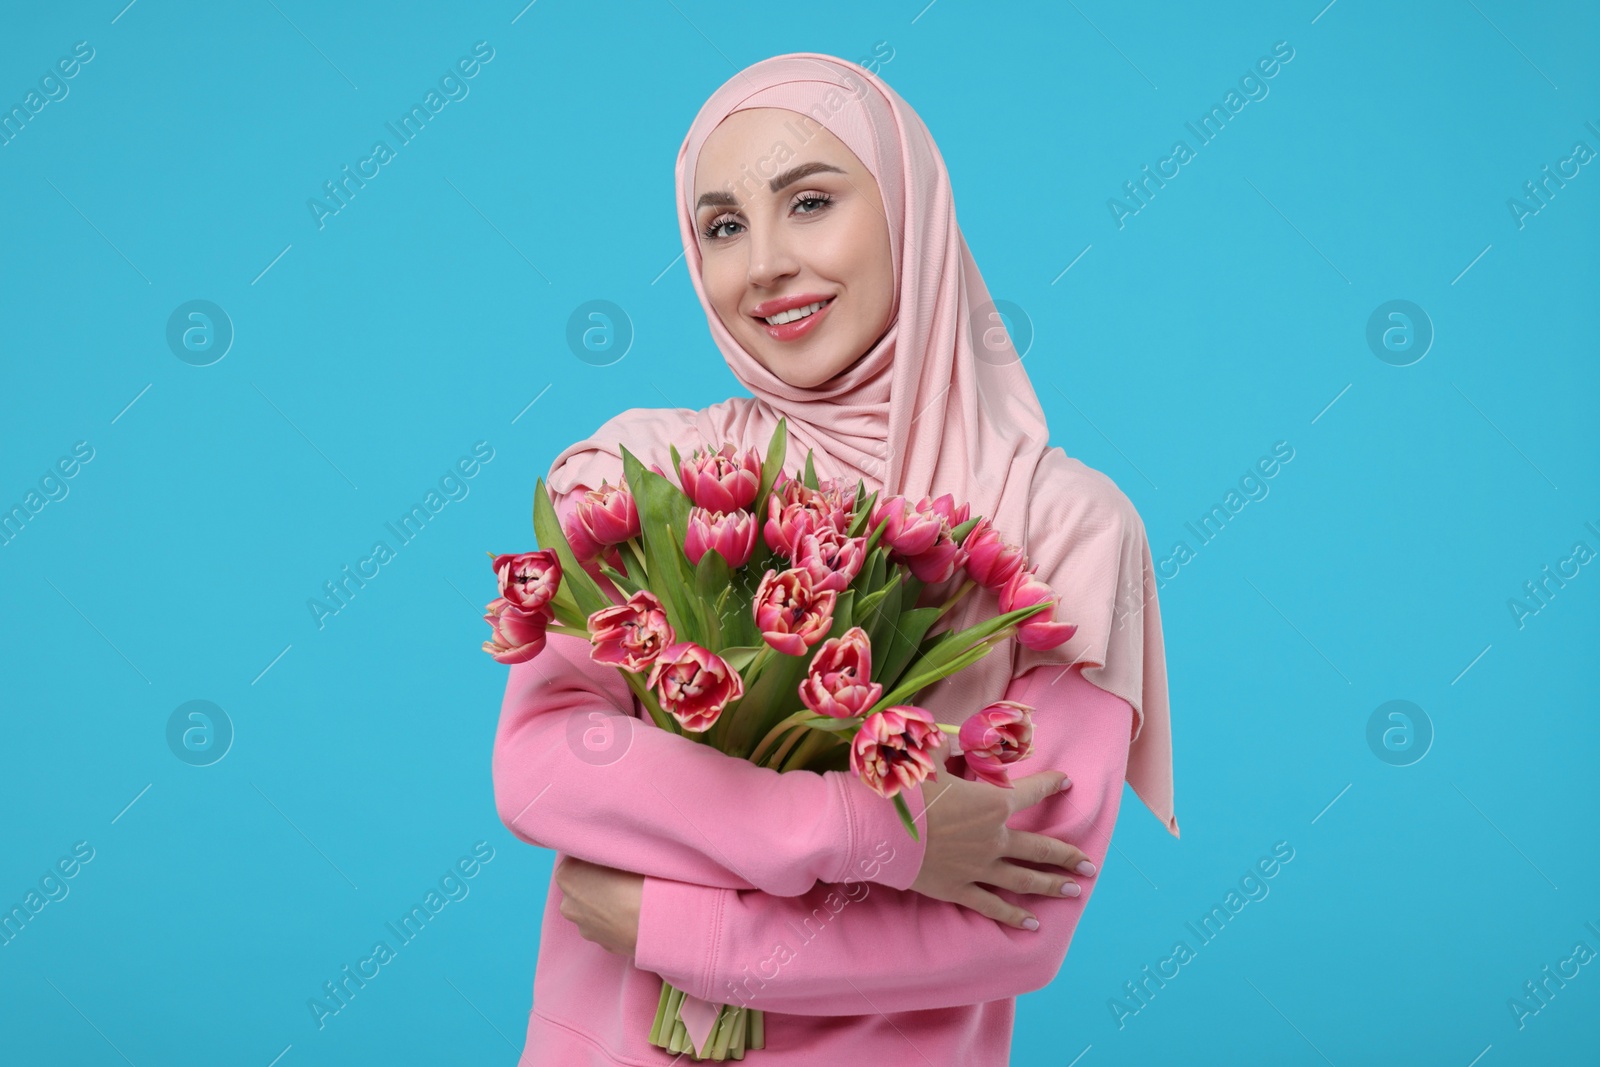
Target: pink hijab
941,404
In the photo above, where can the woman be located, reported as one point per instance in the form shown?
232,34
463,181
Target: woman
820,236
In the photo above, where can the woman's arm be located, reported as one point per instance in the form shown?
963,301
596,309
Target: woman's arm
863,949
661,804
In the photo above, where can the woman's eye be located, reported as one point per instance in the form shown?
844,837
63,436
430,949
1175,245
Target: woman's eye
711,233
820,200
804,204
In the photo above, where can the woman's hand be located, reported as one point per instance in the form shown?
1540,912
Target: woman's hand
969,842
603,902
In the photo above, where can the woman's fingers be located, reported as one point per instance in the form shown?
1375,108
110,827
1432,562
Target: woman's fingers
987,904
1026,880
1028,790
1037,848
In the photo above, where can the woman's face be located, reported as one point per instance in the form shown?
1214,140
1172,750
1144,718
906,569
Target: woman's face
787,228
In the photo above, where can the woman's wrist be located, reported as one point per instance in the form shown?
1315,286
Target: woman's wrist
881,849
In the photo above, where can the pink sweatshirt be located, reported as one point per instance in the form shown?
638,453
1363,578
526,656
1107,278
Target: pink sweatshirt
785,892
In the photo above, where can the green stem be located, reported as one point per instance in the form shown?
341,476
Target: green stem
966,587
651,705
776,732
661,1013
633,558
573,630
815,743
776,762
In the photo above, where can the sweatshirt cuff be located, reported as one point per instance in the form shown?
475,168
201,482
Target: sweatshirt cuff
881,849
680,932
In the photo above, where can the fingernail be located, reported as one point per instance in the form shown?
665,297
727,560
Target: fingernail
1030,923
1066,783
1085,868
1070,889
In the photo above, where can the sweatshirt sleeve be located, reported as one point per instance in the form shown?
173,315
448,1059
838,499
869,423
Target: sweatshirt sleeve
863,949
576,771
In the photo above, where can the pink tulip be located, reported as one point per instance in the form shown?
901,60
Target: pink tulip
791,615
787,523
893,749
991,562
945,507
630,635
919,536
732,533
838,682
832,559
722,480
793,508
1038,631
940,562
912,530
518,635
1000,734
831,504
694,685
583,544
528,580
609,514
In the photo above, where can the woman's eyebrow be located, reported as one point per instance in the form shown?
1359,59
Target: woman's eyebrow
787,178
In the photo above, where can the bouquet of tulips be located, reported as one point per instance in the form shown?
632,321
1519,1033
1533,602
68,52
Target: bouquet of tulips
797,641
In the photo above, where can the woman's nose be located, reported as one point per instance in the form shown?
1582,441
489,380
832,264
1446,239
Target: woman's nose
771,257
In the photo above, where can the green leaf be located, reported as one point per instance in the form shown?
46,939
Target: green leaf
677,464
905,816
565,607
879,623
547,528
843,617
866,606
876,535
773,697
964,639
777,452
919,678
959,534
622,581
651,704
711,583
663,514
741,656
810,479
631,560
861,513
903,641
699,608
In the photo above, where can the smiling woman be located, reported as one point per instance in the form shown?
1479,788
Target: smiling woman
799,269
820,236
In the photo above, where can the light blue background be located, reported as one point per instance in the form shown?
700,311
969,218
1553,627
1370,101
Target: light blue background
1227,315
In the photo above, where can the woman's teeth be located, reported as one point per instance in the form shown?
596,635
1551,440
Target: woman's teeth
796,313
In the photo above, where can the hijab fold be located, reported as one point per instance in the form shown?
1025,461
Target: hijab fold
940,404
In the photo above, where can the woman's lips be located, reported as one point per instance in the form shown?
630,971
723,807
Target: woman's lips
793,331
